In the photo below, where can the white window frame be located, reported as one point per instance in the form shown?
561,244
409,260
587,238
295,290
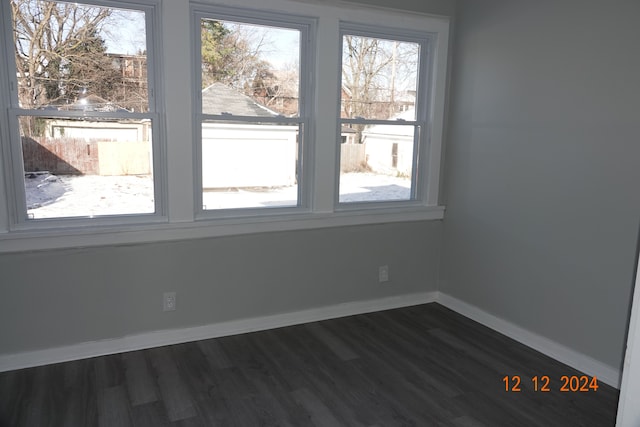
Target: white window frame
306,27
12,152
176,173
421,152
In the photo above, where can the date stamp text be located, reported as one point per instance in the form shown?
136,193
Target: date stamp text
544,384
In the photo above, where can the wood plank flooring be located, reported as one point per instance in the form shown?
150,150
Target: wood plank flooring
415,366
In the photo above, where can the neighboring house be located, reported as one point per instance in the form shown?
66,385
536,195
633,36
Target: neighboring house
133,73
389,148
279,91
245,154
404,101
133,68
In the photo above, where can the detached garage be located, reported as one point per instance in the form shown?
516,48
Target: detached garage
241,155
389,148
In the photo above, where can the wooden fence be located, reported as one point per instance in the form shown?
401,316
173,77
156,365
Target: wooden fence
64,156
77,156
352,158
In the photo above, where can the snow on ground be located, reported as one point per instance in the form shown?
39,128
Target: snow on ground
369,187
50,196
55,196
354,187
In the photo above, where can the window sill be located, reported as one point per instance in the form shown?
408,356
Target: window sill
46,239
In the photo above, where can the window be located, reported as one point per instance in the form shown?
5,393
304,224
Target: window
242,120
83,110
382,106
252,113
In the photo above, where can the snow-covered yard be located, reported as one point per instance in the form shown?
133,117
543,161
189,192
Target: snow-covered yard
369,187
50,196
54,196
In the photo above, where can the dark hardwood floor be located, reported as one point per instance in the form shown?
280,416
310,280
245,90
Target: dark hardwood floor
415,366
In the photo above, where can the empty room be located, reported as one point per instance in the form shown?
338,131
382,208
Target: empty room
319,213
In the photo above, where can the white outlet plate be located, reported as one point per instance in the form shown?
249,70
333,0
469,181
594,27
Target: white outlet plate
383,273
169,301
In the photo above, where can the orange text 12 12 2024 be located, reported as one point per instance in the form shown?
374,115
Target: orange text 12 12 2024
545,383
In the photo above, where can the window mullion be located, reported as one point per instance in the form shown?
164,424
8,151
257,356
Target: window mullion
178,106
327,108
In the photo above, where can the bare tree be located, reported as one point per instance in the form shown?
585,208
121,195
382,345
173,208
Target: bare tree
61,56
374,73
55,45
364,60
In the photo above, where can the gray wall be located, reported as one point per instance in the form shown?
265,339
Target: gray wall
56,298
542,167
434,7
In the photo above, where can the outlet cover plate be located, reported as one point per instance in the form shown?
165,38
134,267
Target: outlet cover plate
169,301
383,273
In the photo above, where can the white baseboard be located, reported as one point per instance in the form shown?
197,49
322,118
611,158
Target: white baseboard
559,352
175,336
579,361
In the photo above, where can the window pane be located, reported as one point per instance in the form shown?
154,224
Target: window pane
249,70
379,169
248,165
76,167
79,57
379,78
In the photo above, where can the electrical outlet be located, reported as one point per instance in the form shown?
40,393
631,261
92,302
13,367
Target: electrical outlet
169,301
383,273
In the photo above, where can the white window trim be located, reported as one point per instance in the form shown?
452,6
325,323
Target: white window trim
179,187
421,145
307,28
16,197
